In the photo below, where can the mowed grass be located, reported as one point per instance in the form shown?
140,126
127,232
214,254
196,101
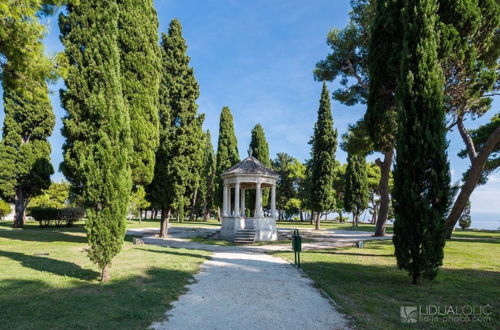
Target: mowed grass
369,287
48,282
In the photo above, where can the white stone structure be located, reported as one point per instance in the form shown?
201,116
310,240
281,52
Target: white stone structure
248,174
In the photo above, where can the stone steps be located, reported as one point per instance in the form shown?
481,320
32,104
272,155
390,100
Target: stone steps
244,236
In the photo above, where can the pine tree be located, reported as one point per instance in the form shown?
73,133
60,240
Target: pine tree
208,178
96,127
181,136
140,64
356,186
227,151
259,148
25,167
421,175
465,219
324,146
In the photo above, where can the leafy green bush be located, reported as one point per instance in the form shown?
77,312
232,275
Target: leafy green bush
57,216
4,209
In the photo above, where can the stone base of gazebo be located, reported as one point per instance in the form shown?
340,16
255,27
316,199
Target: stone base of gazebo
264,227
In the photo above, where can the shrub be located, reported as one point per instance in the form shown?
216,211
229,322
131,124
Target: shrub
57,216
4,209
465,219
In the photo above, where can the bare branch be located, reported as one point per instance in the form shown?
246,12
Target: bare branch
469,144
352,71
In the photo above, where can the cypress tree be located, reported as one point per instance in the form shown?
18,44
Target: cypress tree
356,186
208,178
25,167
421,175
140,63
180,128
259,148
323,147
96,126
227,151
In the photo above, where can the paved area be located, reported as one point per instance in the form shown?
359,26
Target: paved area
248,290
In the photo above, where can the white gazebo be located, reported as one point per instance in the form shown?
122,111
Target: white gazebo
248,174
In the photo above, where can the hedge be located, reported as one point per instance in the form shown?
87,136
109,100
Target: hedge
47,216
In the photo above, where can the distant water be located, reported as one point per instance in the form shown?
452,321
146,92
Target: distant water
489,221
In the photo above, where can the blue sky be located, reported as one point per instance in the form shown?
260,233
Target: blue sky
257,58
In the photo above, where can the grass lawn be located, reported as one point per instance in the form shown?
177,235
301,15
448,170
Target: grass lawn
61,290
368,286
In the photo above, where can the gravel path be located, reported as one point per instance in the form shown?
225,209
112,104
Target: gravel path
251,290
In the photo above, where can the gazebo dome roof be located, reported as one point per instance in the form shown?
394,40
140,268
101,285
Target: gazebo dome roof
249,165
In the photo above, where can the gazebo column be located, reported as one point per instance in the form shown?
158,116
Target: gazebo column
237,199
258,200
242,206
224,201
229,209
273,201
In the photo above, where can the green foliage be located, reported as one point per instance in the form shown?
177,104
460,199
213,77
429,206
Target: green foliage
384,49
259,148
421,175
465,219
323,147
348,58
479,136
227,151
356,186
138,201
96,127
140,64
180,154
57,195
207,185
291,174
57,216
4,209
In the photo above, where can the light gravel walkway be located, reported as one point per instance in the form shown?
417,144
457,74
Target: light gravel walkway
251,290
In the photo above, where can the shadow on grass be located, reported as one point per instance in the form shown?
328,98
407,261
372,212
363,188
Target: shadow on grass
44,235
129,303
170,252
335,252
57,267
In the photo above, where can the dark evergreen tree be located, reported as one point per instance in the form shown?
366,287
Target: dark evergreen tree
25,167
96,127
324,146
259,148
207,178
180,128
140,63
421,175
356,186
465,219
227,152
284,185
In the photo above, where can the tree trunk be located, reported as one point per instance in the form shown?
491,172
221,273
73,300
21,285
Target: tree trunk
165,216
193,206
105,277
340,216
385,171
155,214
318,219
140,216
301,215
19,209
218,213
475,171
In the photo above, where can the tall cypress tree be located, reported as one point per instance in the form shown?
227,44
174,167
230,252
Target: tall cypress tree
227,151
180,128
25,167
208,178
96,126
356,186
421,176
323,147
140,63
259,148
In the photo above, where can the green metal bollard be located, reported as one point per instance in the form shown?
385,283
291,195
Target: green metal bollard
297,246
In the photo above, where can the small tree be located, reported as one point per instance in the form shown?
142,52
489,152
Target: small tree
138,202
465,219
57,195
356,187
